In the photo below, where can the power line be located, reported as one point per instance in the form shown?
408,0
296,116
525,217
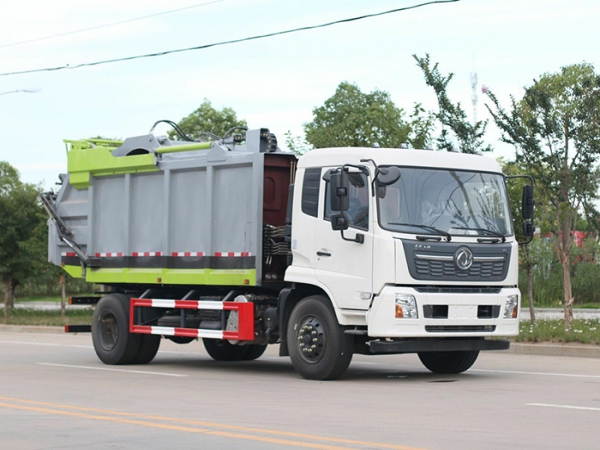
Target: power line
112,24
233,41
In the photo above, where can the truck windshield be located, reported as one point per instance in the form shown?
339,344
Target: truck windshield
442,201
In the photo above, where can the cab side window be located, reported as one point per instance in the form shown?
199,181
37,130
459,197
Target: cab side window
358,214
310,191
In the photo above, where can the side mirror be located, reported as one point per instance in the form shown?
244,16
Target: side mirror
339,192
339,222
388,175
528,202
528,229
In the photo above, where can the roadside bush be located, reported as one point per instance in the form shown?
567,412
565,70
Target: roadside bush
547,274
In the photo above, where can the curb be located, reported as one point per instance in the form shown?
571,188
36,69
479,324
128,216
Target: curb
581,351
32,329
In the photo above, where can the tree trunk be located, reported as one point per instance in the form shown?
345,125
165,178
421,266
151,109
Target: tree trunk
14,283
564,255
63,298
8,296
530,292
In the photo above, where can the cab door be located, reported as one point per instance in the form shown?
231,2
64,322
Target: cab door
346,267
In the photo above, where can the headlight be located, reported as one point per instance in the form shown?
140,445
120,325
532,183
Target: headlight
511,307
406,307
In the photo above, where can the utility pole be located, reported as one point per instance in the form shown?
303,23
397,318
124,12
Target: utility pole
474,95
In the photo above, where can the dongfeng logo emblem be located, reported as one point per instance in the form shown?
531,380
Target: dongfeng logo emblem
463,258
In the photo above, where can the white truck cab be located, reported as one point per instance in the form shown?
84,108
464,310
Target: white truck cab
428,255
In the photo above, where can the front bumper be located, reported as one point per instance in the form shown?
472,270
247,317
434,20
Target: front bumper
463,317
436,345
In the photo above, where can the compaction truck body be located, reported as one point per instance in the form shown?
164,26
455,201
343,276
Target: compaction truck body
346,250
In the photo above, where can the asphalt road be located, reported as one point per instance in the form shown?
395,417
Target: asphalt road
55,394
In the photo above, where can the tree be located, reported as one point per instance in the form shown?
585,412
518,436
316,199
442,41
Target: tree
297,144
529,257
467,136
554,129
351,118
207,119
20,216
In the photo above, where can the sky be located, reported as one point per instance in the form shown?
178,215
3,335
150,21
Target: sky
273,83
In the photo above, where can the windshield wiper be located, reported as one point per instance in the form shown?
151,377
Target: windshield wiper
491,233
424,227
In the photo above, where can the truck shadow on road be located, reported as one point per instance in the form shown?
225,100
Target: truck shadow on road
190,364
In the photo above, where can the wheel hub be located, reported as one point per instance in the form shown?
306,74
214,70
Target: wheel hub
311,339
109,331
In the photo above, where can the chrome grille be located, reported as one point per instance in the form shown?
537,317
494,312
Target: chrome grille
440,269
436,261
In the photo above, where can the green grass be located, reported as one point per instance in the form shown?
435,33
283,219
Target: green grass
584,331
48,318
559,304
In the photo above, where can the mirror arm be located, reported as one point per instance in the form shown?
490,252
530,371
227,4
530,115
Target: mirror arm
375,176
360,238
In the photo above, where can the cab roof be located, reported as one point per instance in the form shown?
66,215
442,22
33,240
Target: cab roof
334,157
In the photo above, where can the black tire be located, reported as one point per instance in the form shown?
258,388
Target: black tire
254,351
113,342
180,339
448,362
327,357
221,350
149,344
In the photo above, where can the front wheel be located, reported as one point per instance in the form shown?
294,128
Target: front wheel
448,362
113,342
318,347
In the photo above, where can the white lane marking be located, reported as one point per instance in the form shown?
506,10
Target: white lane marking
114,370
45,344
548,374
547,405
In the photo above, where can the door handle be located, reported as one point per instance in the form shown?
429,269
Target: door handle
323,254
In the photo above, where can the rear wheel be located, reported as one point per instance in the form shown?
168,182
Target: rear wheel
318,347
149,344
448,362
221,350
113,342
254,351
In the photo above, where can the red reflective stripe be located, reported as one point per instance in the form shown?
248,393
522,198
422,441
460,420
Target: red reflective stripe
140,329
231,335
186,304
186,332
141,301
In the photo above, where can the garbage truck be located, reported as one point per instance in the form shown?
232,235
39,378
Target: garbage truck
341,251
